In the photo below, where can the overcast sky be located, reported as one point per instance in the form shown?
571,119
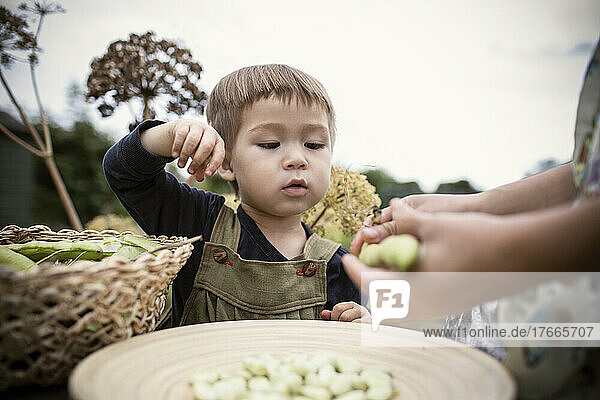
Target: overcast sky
432,91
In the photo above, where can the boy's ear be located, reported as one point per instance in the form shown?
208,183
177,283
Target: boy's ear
226,171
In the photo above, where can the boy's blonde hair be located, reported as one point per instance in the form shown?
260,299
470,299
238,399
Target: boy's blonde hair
245,86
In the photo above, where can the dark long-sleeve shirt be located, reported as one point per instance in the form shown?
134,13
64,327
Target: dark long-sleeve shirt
161,205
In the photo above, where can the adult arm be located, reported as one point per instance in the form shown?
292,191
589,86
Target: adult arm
543,190
537,192
547,189
560,238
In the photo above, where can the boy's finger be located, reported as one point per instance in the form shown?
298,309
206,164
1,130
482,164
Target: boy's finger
200,158
365,316
218,155
181,131
339,308
350,315
326,314
365,319
190,144
199,175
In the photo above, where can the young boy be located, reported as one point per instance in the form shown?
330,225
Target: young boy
272,134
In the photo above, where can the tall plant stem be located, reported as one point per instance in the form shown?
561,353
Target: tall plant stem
21,142
47,139
63,193
312,225
147,110
24,118
319,217
45,152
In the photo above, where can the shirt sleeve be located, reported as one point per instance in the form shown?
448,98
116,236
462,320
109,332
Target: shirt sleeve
339,286
155,199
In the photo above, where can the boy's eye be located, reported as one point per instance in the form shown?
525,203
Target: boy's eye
314,146
270,145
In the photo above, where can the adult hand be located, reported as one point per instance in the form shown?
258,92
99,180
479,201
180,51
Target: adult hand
431,203
448,241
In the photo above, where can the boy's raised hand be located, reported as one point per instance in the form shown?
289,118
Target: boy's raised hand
200,142
347,311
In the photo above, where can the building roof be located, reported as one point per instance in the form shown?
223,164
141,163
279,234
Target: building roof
14,125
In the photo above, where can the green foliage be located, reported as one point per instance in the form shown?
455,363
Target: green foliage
78,153
459,187
173,169
215,184
388,187
334,232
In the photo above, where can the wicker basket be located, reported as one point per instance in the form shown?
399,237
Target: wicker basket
54,316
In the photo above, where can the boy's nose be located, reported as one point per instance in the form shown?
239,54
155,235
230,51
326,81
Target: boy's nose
295,162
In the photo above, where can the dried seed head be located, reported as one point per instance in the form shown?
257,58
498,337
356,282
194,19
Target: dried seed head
348,201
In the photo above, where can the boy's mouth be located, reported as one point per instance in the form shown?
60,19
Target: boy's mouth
296,187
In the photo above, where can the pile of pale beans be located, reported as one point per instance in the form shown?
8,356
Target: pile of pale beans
296,376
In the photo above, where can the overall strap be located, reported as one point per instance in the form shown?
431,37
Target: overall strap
227,228
318,248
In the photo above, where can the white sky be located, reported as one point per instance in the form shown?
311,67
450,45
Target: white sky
431,90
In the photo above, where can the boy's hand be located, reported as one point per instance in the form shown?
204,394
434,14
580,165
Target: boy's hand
200,142
347,311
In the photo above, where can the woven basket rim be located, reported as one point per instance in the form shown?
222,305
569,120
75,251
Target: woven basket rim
77,235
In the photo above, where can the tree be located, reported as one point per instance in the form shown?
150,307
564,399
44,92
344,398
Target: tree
388,187
543,165
16,39
145,69
79,153
462,186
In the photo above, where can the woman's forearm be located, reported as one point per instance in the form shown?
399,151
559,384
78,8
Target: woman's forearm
562,238
537,192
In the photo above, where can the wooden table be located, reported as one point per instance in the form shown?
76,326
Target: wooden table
36,393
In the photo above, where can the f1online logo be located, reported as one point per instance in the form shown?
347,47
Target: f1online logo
389,299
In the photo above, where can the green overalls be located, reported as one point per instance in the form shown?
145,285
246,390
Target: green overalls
228,288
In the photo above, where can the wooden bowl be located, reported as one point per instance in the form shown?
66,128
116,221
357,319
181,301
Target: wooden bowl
157,366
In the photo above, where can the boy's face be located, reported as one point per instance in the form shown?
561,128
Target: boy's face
282,156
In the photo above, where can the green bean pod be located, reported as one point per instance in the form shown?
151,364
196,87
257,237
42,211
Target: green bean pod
63,250
15,260
144,243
